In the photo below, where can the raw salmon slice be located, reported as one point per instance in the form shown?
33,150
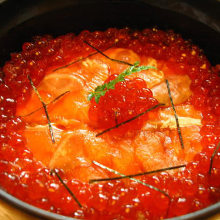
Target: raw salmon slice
39,141
77,146
158,143
71,156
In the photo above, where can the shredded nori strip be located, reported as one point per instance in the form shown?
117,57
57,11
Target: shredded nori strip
67,188
114,60
137,174
45,109
54,100
212,157
80,59
175,114
129,120
134,179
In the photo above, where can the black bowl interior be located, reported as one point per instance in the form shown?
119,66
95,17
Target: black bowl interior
26,19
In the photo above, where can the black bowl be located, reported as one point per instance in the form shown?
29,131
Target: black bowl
20,21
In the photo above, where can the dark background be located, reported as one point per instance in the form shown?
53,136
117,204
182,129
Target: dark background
21,20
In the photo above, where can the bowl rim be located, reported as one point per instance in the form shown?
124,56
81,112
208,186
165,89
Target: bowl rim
38,212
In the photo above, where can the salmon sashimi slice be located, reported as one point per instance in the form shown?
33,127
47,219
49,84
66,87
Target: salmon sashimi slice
121,54
179,87
80,79
98,71
78,149
71,156
154,78
160,149
56,84
156,146
70,107
164,118
151,76
39,141
159,137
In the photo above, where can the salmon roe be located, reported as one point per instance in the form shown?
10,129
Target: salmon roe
129,98
191,189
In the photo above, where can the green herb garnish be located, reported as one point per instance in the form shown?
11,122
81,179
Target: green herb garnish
101,90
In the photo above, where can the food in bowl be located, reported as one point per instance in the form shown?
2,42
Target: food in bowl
120,124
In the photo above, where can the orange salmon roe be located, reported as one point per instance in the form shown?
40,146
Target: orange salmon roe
28,179
129,98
